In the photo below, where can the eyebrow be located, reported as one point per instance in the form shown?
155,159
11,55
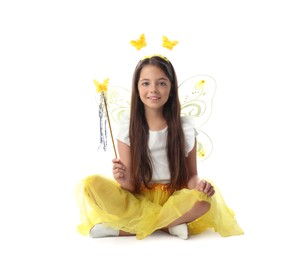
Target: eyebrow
166,79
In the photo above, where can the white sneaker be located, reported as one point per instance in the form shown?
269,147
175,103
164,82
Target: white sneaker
180,231
101,230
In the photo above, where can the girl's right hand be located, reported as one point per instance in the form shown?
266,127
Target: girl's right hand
122,176
119,170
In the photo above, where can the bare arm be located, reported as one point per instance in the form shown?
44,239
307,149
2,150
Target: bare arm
195,182
122,168
192,168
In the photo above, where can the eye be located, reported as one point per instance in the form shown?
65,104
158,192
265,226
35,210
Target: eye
163,83
145,83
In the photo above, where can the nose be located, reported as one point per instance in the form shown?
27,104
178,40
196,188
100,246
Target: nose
153,88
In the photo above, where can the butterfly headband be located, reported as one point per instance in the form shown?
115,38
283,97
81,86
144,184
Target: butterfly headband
141,43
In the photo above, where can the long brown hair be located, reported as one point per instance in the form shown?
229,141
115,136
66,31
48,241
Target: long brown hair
139,131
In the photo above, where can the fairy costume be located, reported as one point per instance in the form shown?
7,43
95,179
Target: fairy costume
102,200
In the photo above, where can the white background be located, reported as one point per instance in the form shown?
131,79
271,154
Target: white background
52,50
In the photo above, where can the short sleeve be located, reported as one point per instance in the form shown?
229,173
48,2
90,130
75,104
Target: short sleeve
190,133
123,130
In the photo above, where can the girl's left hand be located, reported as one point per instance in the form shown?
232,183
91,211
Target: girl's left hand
206,187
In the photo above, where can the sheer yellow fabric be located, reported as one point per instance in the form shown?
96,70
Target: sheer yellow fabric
101,200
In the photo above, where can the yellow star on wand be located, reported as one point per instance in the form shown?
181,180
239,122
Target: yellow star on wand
101,87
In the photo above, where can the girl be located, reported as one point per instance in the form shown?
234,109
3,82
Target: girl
156,184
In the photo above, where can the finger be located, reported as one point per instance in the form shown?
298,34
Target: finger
118,166
115,166
201,186
118,170
207,187
212,193
118,175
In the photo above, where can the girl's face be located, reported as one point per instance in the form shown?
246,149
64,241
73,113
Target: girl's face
154,87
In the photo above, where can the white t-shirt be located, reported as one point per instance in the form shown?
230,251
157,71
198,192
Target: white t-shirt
157,146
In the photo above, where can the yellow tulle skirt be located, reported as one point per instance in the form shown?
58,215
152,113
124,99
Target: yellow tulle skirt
101,200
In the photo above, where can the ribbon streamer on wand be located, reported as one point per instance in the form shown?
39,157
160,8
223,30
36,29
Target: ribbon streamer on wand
104,116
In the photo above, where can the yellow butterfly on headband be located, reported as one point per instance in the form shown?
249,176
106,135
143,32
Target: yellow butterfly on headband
139,43
169,44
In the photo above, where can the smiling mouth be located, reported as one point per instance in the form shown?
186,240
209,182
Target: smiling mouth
153,98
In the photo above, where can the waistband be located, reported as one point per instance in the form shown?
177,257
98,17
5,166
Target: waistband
157,186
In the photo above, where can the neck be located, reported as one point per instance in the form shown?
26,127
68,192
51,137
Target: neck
156,120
